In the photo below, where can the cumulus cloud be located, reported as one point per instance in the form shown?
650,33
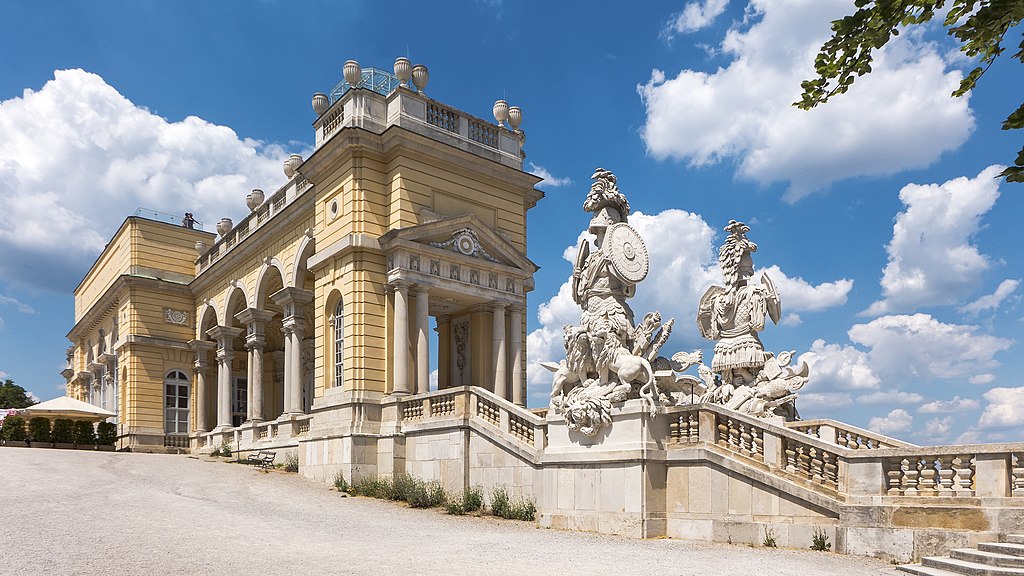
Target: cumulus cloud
898,117
899,420
77,157
683,264
932,259
920,347
981,379
1005,407
990,301
937,428
835,367
694,16
890,397
550,180
957,404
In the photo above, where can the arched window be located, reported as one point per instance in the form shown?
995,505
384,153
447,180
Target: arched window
338,322
176,402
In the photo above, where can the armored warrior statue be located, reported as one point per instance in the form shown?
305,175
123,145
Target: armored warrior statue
608,357
747,378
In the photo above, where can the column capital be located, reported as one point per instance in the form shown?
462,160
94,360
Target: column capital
497,305
517,308
253,341
420,289
223,333
254,316
292,300
200,365
400,284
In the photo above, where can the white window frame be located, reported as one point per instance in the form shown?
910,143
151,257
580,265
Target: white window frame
179,423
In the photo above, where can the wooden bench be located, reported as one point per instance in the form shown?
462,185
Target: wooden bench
262,459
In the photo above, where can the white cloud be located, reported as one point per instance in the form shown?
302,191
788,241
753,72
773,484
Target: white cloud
932,260
981,379
433,380
550,181
990,301
957,404
937,428
898,117
890,397
899,420
694,16
77,157
835,367
1005,408
830,400
22,307
920,347
799,295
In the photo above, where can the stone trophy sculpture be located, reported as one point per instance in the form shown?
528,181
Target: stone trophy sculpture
746,378
608,357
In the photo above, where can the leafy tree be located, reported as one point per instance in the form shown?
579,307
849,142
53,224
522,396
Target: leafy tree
39,429
13,428
14,396
978,25
63,431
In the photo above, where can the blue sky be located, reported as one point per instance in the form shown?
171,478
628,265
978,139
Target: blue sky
895,249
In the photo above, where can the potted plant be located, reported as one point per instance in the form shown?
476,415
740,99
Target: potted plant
85,435
13,431
106,435
39,430
63,434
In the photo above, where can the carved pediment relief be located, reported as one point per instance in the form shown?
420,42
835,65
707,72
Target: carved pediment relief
464,236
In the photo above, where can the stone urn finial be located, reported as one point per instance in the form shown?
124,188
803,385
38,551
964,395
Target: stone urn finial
293,162
200,247
254,199
515,117
500,112
420,77
353,73
320,103
224,226
403,70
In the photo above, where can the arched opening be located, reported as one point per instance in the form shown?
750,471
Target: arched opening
271,281
306,280
206,357
239,382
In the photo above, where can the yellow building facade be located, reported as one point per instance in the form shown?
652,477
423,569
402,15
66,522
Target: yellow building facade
409,216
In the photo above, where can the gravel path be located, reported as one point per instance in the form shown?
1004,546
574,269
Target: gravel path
70,512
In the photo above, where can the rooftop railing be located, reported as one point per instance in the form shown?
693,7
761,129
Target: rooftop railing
167,218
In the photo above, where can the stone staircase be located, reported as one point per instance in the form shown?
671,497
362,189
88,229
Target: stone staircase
1002,558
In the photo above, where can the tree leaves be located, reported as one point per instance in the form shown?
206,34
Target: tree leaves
979,26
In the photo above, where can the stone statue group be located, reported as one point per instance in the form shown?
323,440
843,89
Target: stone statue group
611,358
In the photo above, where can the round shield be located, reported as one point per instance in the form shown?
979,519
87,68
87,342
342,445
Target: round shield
627,252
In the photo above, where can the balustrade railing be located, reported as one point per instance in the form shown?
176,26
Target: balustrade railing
412,409
332,122
937,475
811,462
302,428
488,411
176,440
442,405
443,117
483,133
684,427
739,436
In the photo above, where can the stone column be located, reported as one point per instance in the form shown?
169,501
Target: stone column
444,353
422,341
516,342
225,336
255,321
498,351
400,337
202,347
294,327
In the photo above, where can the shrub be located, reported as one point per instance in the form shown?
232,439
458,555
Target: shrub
106,433
819,541
769,537
500,505
524,509
63,431
85,434
402,487
473,499
426,494
372,486
340,483
13,428
291,461
225,451
455,506
39,429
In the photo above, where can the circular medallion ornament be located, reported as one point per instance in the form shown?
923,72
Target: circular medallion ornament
465,244
627,252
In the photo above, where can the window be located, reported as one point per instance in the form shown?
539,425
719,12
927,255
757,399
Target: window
176,403
338,322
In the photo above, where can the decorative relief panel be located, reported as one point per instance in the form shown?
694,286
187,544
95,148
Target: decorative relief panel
474,277
454,272
435,267
179,317
510,286
492,281
414,262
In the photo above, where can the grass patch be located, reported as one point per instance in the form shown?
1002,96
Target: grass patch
819,541
769,538
291,463
504,507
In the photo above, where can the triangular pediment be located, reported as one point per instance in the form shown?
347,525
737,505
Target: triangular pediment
466,235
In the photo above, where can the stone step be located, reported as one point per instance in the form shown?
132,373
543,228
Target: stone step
969,568
1008,548
920,570
988,557
1014,538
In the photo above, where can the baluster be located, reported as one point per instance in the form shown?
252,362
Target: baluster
694,426
744,438
894,473
757,445
790,457
723,432
831,469
674,429
817,466
805,461
946,474
1017,472
842,438
910,475
964,475
734,434
926,484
